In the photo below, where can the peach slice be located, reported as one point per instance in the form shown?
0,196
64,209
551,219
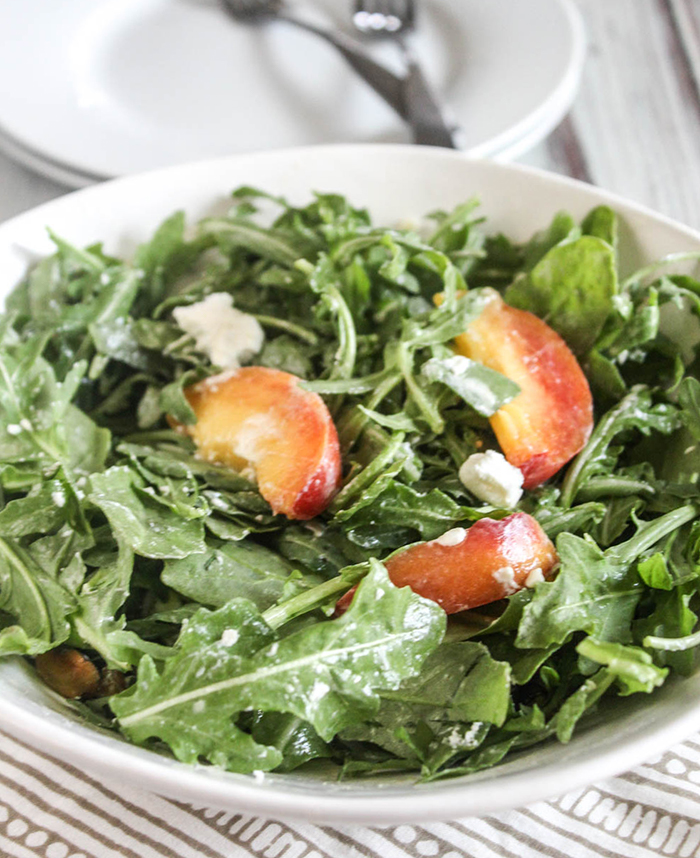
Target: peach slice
551,418
259,418
464,569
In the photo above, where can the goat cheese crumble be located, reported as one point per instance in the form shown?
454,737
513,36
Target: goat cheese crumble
452,537
492,479
226,335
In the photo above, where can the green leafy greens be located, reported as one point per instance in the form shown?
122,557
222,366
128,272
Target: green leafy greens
117,540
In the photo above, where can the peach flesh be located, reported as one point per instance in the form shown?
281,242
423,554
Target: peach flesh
551,418
258,417
493,560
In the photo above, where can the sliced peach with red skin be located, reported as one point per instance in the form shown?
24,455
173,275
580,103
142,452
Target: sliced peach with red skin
260,418
551,418
489,561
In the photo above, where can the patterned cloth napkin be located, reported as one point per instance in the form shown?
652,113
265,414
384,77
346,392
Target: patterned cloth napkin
51,810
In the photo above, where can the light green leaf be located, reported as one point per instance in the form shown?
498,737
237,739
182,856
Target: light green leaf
484,389
632,667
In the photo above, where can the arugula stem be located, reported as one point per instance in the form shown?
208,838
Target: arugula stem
347,336
352,386
180,341
154,436
352,424
303,334
457,216
358,483
670,259
302,603
613,486
651,533
601,436
672,644
431,414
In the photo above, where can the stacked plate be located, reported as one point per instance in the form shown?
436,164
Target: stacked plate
112,87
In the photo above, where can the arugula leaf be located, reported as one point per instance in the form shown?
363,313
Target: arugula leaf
461,678
689,398
562,228
444,711
36,598
100,598
572,288
196,725
594,591
231,570
591,593
484,389
584,698
39,512
140,521
602,222
237,232
635,411
327,674
401,506
654,572
296,740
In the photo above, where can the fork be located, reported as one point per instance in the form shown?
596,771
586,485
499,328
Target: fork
384,82
393,19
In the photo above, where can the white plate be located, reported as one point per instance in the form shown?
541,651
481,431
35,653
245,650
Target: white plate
394,183
112,87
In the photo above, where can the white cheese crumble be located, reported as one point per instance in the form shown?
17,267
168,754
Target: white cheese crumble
26,425
14,429
458,740
535,577
58,498
452,537
506,577
223,333
492,479
229,637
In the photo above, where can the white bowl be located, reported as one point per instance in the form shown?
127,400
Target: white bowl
394,183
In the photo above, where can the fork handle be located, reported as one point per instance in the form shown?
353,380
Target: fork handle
384,82
424,113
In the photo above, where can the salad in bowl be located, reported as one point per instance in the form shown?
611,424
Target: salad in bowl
285,490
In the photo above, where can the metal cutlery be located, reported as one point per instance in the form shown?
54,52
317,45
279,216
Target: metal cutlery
384,82
394,19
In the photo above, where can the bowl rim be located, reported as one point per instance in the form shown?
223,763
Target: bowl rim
81,745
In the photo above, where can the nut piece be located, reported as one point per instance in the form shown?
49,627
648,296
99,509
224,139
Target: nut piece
68,672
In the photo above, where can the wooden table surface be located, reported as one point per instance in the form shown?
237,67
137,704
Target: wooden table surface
633,129
635,125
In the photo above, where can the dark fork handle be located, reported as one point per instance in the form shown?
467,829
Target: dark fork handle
423,112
